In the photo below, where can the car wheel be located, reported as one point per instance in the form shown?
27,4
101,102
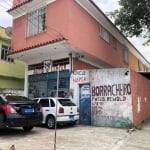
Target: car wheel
74,123
1,118
50,122
27,128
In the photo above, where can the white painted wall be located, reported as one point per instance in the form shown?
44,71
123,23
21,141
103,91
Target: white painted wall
111,101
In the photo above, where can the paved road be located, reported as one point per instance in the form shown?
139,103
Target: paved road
76,138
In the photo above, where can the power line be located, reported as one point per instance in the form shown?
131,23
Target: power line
3,6
8,3
51,31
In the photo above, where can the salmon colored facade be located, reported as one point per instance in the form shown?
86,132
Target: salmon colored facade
140,97
79,65
74,34
133,62
60,40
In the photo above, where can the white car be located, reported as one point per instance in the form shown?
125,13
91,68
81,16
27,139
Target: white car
67,111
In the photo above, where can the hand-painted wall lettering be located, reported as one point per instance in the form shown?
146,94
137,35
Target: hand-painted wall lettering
111,90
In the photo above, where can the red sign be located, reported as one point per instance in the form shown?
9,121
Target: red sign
59,68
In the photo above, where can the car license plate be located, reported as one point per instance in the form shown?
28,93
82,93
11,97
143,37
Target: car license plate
29,110
71,117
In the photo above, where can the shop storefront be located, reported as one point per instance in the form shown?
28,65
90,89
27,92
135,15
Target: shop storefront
45,84
44,77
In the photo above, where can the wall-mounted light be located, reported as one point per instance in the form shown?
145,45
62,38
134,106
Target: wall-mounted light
80,56
71,66
126,73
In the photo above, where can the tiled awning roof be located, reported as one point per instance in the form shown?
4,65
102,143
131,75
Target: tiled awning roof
20,4
145,74
36,45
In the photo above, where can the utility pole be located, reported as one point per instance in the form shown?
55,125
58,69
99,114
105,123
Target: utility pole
55,138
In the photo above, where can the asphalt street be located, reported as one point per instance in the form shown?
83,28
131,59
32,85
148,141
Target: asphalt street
76,138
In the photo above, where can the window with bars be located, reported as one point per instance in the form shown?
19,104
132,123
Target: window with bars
4,52
140,65
36,21
36,66
64,61
114,43
146,69
104,34
125,54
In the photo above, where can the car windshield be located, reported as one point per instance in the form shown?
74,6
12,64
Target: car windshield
17,98
66,102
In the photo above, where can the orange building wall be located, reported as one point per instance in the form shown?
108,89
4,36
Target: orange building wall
67,18
56,25
133,61
140,97
80,65
84,33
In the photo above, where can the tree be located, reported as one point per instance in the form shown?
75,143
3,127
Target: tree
133,18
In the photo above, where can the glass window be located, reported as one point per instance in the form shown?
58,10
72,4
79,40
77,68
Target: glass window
44,102
36,21
63,83
104,34
125,54
114,43
36,66
140,66
146,69
62,90
36,100
4,52
66,102
64,61
17,98
52,103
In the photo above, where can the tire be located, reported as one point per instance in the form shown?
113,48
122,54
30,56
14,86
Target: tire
50,122
27,128
1,118
74,123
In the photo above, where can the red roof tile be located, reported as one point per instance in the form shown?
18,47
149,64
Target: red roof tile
19,5
35,46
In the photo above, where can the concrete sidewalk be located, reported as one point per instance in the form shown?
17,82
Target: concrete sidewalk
77,138
139,139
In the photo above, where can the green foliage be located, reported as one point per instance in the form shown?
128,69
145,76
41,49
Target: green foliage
138,127
133,18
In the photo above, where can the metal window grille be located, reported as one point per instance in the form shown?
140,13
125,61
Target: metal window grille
4,52
36,21
125,54
104,34
36,66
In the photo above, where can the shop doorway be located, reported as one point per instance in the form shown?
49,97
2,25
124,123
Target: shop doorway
85,104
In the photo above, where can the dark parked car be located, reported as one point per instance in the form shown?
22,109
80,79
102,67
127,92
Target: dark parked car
19,111
1,116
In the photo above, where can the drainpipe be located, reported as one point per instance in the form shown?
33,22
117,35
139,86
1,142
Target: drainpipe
70,59
26,81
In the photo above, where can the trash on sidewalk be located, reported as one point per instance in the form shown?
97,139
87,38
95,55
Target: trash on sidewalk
131,130
12,147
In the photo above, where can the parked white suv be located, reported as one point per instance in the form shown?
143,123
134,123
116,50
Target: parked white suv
67,111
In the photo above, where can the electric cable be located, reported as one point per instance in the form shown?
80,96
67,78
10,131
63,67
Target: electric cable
53,34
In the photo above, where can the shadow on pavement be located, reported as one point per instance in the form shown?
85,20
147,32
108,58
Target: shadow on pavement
146,124
59,127
15,132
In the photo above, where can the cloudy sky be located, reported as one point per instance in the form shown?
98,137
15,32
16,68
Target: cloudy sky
105,6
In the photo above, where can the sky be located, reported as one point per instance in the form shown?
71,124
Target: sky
105,5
